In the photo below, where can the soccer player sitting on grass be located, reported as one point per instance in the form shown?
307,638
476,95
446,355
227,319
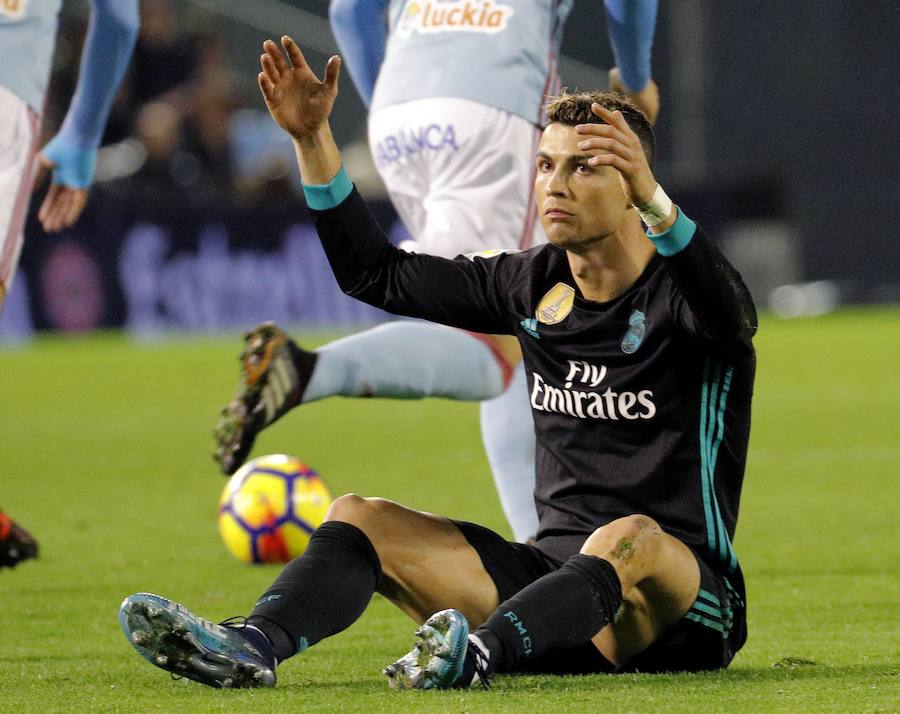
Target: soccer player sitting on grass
640,366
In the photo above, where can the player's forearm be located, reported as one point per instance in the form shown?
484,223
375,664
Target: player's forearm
631,24
360,29
108,47
318,157
368,268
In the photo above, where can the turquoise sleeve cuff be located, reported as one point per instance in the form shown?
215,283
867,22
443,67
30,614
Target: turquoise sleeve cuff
675,239
73,166
325,196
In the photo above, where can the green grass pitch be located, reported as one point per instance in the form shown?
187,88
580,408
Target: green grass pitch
105,455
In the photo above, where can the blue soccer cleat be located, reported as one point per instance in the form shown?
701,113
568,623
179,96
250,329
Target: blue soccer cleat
442,657
173,638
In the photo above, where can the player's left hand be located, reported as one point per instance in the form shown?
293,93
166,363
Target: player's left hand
73,171
620,148
62,205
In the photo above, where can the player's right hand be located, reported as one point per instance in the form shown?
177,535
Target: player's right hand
295,97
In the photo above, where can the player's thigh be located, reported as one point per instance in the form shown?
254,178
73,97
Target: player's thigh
18,137
660,579
427,563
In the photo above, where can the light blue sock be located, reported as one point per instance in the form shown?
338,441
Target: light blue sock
406,360
507,429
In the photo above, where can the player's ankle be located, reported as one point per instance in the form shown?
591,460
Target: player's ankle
261,633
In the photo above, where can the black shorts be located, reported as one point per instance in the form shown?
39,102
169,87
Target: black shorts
707,637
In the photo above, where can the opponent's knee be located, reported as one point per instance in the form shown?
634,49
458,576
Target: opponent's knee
623,539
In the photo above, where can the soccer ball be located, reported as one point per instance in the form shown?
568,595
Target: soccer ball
270,507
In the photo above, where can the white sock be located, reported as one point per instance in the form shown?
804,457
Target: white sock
507,429
406,360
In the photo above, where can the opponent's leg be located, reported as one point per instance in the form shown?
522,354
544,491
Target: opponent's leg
399,360
407,360
507,430
19,134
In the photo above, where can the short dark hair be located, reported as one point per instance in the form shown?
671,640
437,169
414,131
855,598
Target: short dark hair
573,108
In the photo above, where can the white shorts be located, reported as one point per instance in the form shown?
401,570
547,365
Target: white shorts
459,173
19,133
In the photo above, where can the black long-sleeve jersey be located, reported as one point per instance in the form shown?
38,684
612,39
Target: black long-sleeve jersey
641,404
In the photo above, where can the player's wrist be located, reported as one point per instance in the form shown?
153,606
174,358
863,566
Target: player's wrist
655,210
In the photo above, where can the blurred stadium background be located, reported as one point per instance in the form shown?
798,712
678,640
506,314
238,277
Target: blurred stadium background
778,132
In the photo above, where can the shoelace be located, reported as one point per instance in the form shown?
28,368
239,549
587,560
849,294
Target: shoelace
481,667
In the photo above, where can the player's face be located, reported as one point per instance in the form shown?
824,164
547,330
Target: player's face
576,202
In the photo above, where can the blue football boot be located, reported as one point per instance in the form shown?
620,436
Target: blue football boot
443,657
173,638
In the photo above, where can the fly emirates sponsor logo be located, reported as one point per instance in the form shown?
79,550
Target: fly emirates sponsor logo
582,396
433,16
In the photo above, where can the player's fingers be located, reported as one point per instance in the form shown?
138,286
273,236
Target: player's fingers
613,118
597,129
266,87
268,67
610,146
57,218
277,57
332,72
602,143
74,206
293,52
48,204
619,163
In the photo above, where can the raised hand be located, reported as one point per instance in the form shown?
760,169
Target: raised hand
646,99
622,150
295,97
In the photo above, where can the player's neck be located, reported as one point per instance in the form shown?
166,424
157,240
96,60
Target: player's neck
607,268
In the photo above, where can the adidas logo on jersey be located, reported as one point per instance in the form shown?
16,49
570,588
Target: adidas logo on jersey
590,404
456,16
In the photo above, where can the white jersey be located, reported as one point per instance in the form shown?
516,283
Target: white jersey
500,53
27,39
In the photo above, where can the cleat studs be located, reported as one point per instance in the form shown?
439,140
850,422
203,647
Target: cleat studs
161,660
140,637
153,612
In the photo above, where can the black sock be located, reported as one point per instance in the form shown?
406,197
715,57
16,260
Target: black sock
320,593
563,609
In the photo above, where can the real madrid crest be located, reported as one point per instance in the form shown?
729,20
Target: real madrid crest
556,305
637,329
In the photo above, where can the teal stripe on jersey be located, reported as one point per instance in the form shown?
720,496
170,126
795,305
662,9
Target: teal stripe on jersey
713,401
706,621
709,597
701,607
707,498
726,551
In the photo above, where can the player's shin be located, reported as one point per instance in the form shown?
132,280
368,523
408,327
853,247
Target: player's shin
320,593
406,360
561,610
507,429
